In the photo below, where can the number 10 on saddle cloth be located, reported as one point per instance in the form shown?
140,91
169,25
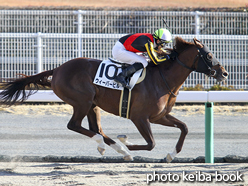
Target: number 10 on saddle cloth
106,73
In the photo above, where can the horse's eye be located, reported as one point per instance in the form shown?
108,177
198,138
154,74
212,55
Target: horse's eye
209,56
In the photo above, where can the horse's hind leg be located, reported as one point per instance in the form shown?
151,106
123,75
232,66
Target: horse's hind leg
94,119
76,120
95,125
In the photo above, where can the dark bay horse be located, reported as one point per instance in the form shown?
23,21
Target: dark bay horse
151,102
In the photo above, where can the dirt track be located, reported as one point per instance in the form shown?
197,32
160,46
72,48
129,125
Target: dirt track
122,174
41,130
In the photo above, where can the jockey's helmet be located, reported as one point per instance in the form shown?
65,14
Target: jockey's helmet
163,35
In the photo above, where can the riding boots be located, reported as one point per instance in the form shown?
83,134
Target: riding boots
122,78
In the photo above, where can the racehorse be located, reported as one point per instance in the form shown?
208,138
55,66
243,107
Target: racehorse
151,102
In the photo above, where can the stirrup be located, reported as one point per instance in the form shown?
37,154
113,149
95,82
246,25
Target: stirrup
128,86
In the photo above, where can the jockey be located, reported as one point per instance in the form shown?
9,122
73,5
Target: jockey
127,47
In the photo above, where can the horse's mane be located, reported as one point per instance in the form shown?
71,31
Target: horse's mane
181,44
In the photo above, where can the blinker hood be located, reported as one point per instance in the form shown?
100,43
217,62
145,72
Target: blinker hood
206,60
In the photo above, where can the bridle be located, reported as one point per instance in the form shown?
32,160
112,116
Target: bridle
205,63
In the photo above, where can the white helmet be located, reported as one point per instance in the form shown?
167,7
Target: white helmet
163,34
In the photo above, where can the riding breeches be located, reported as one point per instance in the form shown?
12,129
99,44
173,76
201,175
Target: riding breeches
120,53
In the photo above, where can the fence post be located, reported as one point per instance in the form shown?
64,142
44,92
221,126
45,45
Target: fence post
39,66
197,21
79,28
209,133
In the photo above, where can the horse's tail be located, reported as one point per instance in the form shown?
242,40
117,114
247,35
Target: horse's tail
13,90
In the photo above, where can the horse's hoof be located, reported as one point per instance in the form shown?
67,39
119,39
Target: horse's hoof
128,158
169,158
101,150
122,138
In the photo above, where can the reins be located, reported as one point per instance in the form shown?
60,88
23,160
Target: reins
166,84
182,64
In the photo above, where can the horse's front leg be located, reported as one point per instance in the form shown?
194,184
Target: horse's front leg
171,121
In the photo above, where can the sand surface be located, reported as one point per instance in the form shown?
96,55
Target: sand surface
41,130
65,109
106,174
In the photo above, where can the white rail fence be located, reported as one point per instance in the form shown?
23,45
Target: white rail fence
32,41
27,53
183,97
69,21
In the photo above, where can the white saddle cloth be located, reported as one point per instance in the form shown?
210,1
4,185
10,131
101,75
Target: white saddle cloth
106,72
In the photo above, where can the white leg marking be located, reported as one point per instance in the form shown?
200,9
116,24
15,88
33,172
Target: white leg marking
101,145
122,151
123,139
171,156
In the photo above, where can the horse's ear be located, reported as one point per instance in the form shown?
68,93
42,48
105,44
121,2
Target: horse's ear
198,43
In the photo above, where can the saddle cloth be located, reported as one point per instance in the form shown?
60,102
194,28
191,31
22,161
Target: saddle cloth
107,71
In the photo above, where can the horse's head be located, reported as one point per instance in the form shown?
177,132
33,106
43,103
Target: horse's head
208,64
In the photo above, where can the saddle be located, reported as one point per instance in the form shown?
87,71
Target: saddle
105,75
